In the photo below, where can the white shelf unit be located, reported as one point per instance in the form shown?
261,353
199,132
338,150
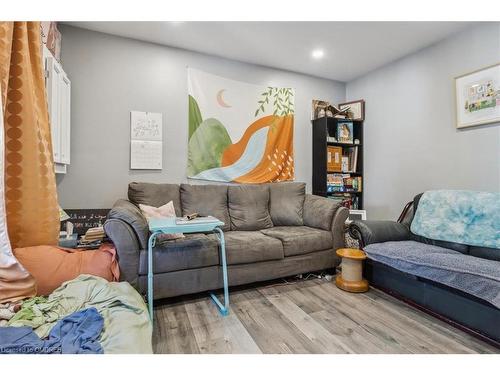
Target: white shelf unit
58,88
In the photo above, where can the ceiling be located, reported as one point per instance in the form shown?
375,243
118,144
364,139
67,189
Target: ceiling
351,49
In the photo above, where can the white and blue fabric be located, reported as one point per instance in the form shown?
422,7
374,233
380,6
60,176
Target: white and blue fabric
465,217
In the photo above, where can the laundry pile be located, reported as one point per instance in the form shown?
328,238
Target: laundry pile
85,315
7,311
77,333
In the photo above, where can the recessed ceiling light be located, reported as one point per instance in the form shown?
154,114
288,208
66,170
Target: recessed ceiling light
318,53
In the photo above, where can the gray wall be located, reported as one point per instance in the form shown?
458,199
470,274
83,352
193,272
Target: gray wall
111,76
411,142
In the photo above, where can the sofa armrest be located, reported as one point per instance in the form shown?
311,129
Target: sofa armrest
339,227
374,231
324,213
127,248
131,214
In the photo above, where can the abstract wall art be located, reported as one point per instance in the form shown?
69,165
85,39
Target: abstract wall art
239,132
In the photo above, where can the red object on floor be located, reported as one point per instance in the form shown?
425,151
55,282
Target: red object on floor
51,265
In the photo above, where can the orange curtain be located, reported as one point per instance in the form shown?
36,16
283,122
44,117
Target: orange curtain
30,187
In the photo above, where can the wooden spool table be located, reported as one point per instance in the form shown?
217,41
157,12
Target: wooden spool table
351,277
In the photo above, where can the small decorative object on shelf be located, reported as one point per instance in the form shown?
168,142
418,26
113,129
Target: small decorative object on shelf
356,109
321,108
351,277
338,160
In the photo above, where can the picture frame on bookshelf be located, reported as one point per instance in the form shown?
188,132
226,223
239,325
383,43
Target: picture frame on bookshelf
356,215
356,109
478,97
345,132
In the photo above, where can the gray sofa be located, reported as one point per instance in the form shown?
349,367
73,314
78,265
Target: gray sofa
271,231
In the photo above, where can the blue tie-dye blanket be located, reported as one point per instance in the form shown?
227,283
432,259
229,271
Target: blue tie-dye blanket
466,217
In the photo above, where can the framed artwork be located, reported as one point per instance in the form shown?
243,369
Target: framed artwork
356,110
345,132
478,97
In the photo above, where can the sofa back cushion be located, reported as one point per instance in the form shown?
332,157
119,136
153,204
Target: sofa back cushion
286,204
249,207
319,211
206,200
464,249
155,195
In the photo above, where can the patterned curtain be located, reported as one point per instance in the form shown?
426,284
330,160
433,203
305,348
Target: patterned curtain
28,182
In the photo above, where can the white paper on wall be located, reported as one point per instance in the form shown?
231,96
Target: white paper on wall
146,142
145,154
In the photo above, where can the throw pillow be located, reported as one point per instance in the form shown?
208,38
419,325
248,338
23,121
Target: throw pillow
167,210
249,207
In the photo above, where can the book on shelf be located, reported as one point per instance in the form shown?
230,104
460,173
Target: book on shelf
334,159
343,183
349,201
349,159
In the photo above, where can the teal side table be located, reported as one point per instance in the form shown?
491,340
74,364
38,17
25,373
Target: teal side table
169,226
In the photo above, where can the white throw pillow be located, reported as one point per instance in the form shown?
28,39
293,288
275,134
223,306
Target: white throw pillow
167,210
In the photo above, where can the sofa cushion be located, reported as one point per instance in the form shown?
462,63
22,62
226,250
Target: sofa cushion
286,204
206,200
250,247
155,194
319,211
301,240
472,275
194,251
249,207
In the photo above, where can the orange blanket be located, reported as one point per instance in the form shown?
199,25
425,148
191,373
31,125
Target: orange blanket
51,266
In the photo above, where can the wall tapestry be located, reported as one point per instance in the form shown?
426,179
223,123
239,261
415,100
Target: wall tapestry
239,132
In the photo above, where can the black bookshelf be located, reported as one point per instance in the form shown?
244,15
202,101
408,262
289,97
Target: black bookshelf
327,127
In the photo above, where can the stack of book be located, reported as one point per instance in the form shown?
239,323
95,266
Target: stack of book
347,200
343,183
92,238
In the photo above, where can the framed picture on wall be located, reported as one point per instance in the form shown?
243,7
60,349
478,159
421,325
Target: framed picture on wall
478,97
356,109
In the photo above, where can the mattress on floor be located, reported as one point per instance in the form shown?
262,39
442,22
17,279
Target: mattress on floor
476,276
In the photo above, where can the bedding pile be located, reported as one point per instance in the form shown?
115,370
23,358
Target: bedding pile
126,327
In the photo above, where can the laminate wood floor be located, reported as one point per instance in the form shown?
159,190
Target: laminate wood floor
311,316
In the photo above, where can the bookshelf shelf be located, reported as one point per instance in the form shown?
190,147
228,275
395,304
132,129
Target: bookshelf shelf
343,192
324,174
340,144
